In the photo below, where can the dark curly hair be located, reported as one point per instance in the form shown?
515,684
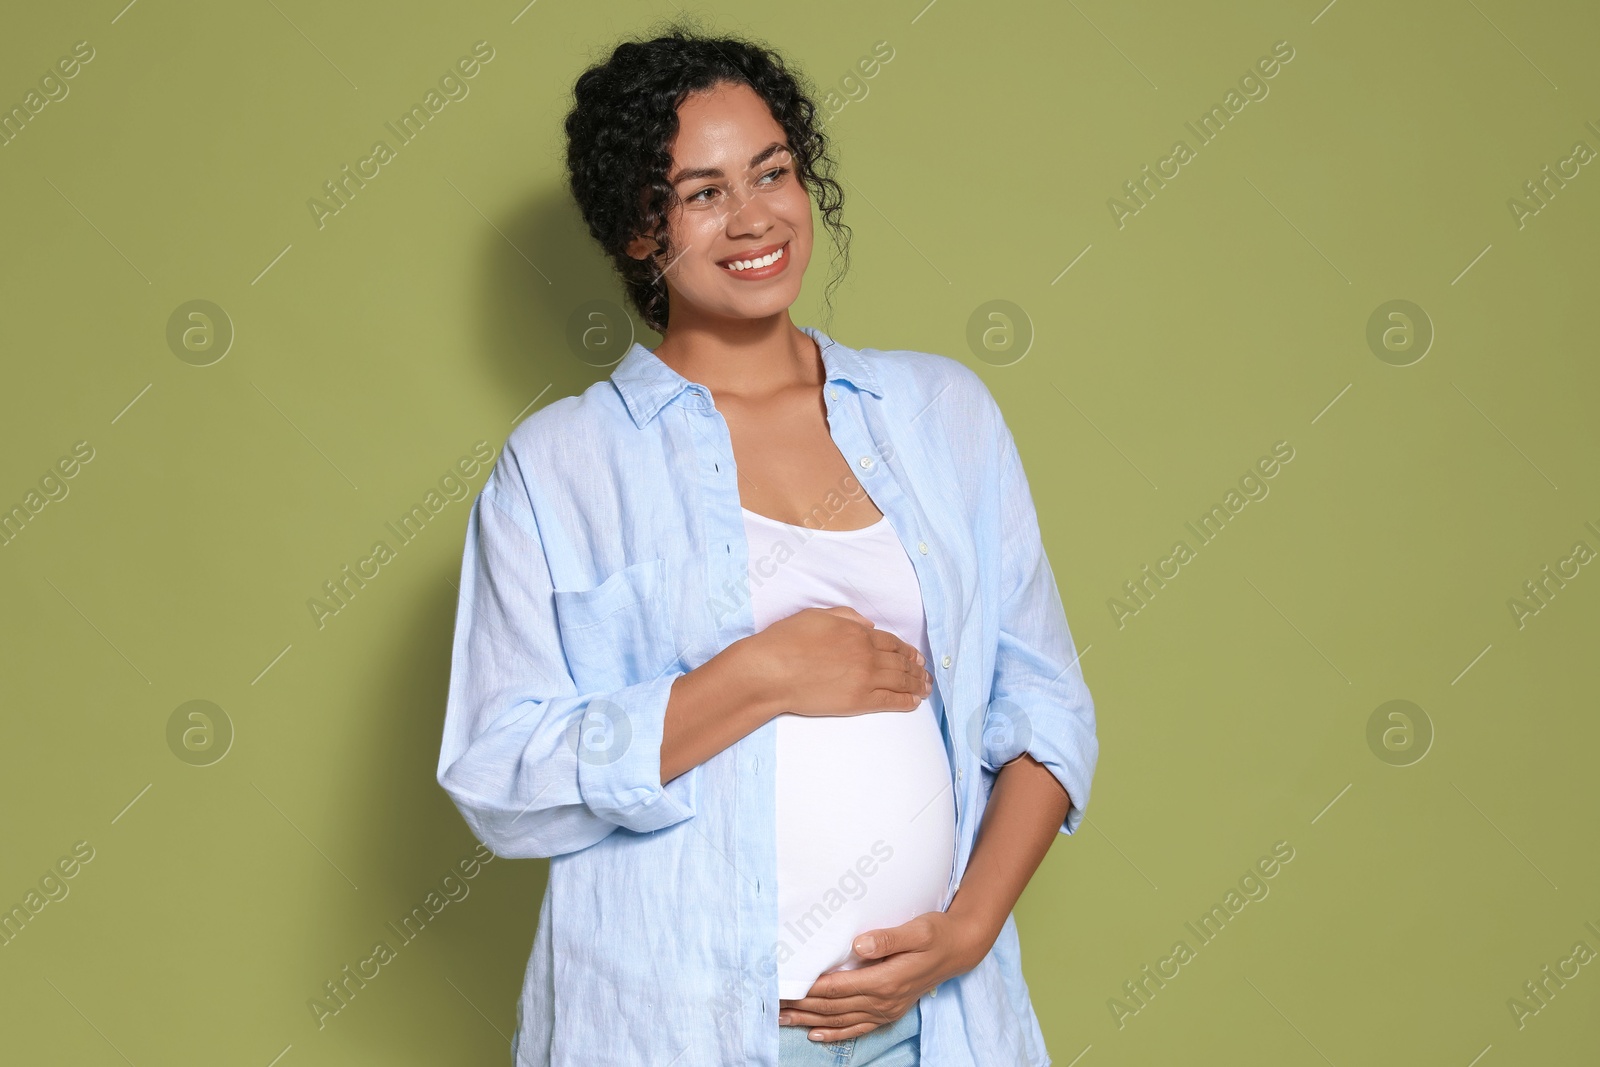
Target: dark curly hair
624,116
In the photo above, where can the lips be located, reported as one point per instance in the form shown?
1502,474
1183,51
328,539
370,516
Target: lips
754,253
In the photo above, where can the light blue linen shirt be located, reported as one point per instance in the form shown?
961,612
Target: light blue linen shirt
605,556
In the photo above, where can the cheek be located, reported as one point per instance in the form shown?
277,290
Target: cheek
800,211
687,233
804,227
696,230
796,215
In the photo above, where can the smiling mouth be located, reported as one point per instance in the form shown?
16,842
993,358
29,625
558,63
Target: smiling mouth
756,263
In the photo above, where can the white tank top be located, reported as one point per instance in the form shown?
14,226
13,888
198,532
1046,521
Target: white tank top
865,810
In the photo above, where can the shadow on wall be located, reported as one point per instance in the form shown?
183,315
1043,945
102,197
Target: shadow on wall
538,272
554,313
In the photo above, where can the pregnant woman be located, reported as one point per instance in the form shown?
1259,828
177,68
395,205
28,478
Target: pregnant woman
757,641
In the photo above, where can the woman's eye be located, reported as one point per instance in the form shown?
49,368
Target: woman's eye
706,195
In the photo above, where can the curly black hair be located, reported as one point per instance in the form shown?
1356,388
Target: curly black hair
624,116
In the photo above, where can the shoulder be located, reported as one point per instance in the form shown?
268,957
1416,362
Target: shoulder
569,433
927,383
584,417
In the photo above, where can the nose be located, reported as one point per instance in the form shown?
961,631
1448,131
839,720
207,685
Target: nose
748,214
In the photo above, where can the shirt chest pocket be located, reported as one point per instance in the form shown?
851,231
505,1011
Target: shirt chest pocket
618,633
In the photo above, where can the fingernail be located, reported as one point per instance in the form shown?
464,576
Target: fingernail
865,945
785,1020
815,1035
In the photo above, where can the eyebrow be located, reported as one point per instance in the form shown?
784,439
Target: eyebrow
716,172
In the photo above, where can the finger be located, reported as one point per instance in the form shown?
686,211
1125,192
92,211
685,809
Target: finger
912,653
904,674
825,1036
896,699
870,988
847,1011
913,934
831,1019
831,995
835,992
866,1002
874,943
822,1009
885,641
890,694
899,659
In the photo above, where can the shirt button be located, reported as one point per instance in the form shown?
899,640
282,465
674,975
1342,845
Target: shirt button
755,764
866,462
946,661
958,774
922,546
833,393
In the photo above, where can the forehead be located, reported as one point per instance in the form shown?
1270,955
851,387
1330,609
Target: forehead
721,126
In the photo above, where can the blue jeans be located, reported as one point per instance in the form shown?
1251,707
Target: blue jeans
895,1044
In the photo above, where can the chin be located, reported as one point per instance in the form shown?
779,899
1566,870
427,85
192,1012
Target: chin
768,305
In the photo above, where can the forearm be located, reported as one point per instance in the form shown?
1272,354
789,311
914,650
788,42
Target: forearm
1024,814
711,707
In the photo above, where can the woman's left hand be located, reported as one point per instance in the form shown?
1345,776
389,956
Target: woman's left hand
912,959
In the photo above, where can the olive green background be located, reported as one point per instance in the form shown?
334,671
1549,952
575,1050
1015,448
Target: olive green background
1230,312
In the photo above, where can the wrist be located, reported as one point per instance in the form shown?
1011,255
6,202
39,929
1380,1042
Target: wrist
976,932
748,677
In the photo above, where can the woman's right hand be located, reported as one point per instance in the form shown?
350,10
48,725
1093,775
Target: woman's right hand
834,661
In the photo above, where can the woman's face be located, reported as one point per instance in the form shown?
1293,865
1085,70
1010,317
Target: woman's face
739,199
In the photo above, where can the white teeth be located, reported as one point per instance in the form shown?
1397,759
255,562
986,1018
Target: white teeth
750,264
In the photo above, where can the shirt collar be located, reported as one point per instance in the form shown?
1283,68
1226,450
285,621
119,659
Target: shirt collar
647,384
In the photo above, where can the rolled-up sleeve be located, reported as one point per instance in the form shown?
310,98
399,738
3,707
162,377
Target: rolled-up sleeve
535,767
1039,702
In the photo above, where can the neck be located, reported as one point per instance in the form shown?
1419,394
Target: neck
742,358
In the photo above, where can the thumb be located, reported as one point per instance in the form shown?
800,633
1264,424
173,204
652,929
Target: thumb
849,613
874,944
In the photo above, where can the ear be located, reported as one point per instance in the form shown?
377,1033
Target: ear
642,247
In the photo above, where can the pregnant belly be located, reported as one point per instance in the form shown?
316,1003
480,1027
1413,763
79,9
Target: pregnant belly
865,833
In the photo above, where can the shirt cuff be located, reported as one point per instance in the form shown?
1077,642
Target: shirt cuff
1009,730
617,741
